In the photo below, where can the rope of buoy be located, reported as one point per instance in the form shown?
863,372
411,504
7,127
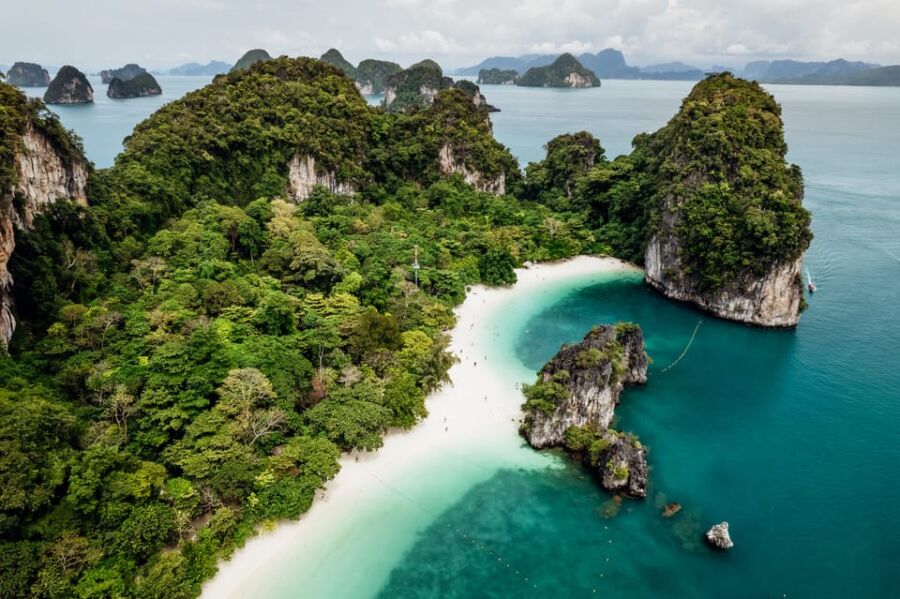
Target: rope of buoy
687,347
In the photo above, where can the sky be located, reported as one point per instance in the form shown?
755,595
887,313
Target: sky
94,34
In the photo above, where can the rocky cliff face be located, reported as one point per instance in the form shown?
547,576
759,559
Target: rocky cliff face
593,374
576,80
449,164
303,176
43,176
771,300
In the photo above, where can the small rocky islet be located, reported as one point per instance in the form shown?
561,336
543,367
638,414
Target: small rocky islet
572,403
70,86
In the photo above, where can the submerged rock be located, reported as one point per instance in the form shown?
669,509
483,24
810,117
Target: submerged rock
718,537
572,403
70,86
671,509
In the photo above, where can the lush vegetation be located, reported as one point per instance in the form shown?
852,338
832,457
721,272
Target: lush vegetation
404,90
196,352
375,73
557,74
718,167
70,86
497,76
142,84
335,58
250,58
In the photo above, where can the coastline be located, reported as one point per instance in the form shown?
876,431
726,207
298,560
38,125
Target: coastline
470,432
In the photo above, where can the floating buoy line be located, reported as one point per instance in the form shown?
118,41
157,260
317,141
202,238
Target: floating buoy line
686,348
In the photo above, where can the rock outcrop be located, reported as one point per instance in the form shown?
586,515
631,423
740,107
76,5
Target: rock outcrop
573,401
718,538
43,175
70,86
126,73
730,229
335,58
303,177
449,165
372,75
771,300
497,77
28,74
140,86
565,71
589,377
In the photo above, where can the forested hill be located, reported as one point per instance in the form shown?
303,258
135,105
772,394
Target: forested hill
195,351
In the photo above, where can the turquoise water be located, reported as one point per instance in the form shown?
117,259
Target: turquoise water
105,123
791,436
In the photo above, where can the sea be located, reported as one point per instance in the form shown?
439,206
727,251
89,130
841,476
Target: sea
791,436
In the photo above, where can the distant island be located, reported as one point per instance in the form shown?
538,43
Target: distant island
419,85
610,64
28,74
249,59
140,86
497,76
70,86
370,75
129,71
565,71
195,69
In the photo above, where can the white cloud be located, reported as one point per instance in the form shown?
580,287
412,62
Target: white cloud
455,32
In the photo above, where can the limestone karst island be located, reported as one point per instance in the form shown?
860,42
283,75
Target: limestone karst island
423,300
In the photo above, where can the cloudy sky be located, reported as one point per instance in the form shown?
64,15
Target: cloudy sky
161,33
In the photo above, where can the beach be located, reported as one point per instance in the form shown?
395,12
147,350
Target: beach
348,541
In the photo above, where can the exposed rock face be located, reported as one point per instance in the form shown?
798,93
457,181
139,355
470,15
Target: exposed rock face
303,177
43,176
597,369
28,74
372,75
718,537
70,86
622,465
141,86
772,300
126,73
577,80
450,164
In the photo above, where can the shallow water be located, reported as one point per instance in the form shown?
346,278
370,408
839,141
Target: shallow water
791,436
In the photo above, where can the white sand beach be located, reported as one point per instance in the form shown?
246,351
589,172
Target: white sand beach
471,428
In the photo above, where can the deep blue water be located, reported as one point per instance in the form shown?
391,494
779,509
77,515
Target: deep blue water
791,436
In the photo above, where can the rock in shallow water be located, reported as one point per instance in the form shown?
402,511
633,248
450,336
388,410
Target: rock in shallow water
718,537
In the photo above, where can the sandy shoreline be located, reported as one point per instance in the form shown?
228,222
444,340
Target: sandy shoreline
474,408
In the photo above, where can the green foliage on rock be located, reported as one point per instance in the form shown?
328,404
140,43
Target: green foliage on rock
70,86
376,73
250,58
565,71
143,84
335,58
